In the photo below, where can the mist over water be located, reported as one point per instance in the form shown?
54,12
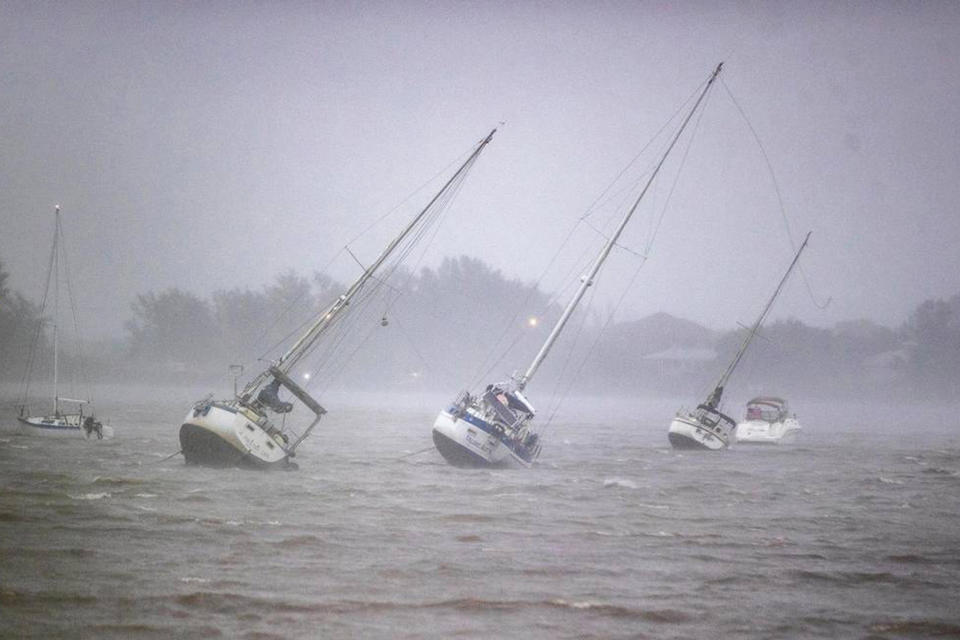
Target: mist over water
850,532
226,171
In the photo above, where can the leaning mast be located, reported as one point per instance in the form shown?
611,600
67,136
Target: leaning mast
303,346
587,280
714,398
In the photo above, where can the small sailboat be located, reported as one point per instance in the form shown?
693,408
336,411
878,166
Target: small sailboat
707,427
68,417
768,421
494,427
241,431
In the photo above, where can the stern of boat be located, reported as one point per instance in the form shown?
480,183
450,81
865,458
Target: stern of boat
220,435
464,444
686,432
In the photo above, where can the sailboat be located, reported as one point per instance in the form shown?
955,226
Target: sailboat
494,427
707,427
68,417
241,431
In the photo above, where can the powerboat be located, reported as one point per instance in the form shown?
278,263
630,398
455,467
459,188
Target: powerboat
768,421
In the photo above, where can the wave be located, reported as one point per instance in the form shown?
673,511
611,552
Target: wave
921,628
234,604
619,482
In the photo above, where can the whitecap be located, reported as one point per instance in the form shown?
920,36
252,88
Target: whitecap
91,496
194,579
890,480
619,482
145,495
581,604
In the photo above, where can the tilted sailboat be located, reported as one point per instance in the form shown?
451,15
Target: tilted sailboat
241,431
706,427
493,427
72,422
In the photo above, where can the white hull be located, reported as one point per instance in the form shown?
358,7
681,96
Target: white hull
763,432
64,426
222,435
687,433
464,444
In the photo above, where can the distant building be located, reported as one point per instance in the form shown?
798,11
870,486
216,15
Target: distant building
677,360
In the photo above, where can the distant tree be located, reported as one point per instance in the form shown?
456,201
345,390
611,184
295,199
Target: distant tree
787,356
861,339
173,329
19,322
4,291
933,334
250,322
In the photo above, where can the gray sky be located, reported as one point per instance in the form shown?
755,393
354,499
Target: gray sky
212,145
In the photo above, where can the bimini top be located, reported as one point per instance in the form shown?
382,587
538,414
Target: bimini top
767,408
769,400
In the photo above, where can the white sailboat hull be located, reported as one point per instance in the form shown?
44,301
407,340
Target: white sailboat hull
465,443
63,426
763,432
220,435
687,433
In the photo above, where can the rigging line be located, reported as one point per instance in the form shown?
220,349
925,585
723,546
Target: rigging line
296,330
167,458
346,360
616,244
435,226
427,365
596,340
579,265
434,223
305,344
478,379
636,157
566,363
340,333
455,161
411,242
566,240
76,321
355,259
35,345
286,310
776,188
676,178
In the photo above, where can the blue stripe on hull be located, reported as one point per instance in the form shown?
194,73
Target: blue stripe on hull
510,444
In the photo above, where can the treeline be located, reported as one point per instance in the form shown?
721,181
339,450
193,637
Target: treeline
464,323
19,320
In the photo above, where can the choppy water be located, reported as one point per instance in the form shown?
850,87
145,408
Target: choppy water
852,532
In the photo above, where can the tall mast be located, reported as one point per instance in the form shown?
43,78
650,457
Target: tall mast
715,396
56,309
587,280
303,345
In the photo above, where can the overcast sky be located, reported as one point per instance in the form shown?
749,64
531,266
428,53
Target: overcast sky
212,145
